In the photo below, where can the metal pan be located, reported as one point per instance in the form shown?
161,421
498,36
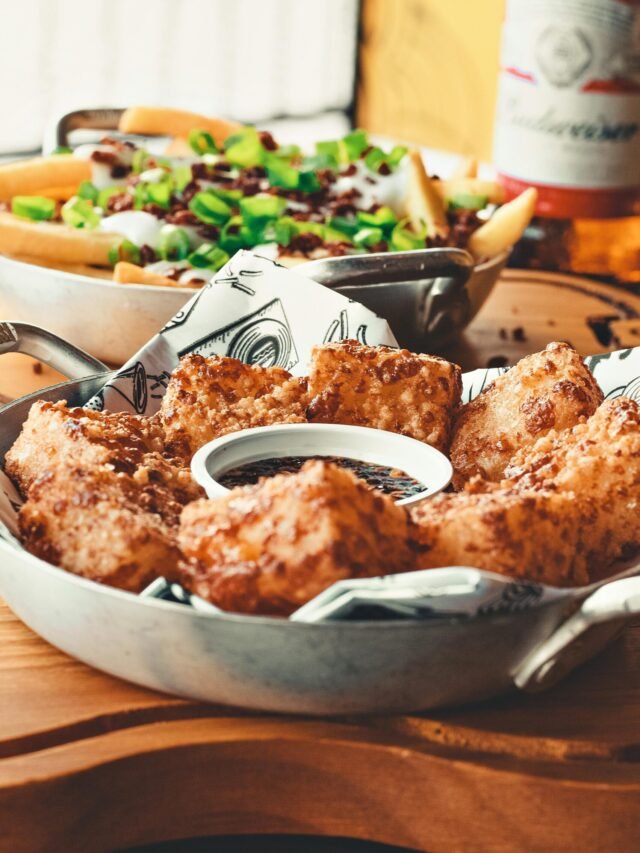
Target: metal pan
278,665
112,321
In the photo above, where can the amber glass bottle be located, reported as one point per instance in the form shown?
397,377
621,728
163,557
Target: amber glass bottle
568,123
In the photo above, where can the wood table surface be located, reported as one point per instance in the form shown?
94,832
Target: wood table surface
89,762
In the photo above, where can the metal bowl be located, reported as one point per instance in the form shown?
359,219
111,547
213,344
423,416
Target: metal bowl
113,321
331,667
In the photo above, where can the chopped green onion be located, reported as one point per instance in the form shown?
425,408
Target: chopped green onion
329,151
173,244
396,154
383,218
368,237
244,148
88,191
374,159
125,251
159,194
33,207
286,152
104,195
210,208
347,224
280,173
62,149
230,197
404,240
468,201
354,144
259,209
284,230
234,236
139,161
182,176
320,161
309,182
79,213
333,235
208,256
202,142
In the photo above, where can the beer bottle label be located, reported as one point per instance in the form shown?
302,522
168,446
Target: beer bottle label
568,113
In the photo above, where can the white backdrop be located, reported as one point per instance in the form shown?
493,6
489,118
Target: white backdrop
247,59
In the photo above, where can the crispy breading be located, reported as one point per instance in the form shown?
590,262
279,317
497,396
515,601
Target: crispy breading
552,389
271,547
529,535
103,499
102,525
384,388
54,435
568,508
210,397
599,462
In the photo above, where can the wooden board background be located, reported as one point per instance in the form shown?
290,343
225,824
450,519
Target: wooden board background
428,71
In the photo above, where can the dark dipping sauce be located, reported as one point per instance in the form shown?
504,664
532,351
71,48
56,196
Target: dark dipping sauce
392,481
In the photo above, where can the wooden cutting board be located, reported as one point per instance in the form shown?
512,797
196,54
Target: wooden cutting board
89,762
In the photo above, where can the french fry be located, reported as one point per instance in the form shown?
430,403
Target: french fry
55,242
422,202
127,273
31,177
165,121
492,190
467,168
76,269
59,193
505,227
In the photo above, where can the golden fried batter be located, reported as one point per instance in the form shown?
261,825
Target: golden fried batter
102,499
569,508
552,389
384,388
54,435
210,397
101,525
271,547
529,535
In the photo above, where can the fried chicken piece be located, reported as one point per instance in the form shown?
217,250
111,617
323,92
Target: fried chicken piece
55,435
384,388
210,397
552,389
569,508
532,535
103,499
597,462
271,547
102,525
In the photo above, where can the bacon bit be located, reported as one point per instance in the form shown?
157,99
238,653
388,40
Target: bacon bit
118,203
182,217
37,368
349,171
305,243
384,169
190,190
108,157
147,255
119,170
155,210
267,141
209,232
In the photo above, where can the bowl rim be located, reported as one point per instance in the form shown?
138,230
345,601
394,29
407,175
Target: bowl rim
415,458
95,281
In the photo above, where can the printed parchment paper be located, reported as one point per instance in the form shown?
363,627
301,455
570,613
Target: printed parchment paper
262,313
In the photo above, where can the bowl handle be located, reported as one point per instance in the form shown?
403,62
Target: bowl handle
599,618
69,360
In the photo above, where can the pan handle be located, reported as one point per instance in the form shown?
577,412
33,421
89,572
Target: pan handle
600,617
45,346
